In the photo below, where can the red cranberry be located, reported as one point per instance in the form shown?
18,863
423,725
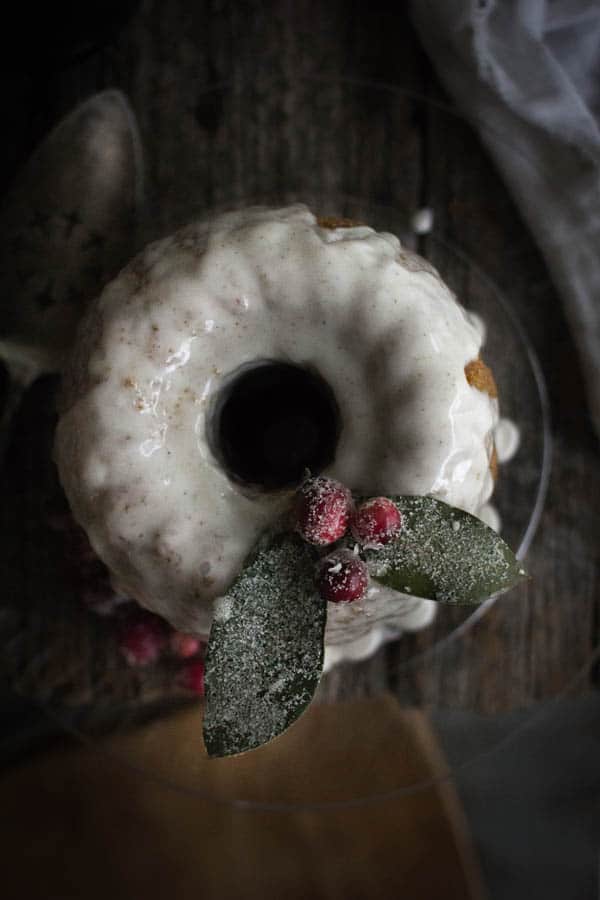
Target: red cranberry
376,522
191,677
142,638
323,508
184,645
342,578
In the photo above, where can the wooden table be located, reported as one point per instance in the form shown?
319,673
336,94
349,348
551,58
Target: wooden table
201,152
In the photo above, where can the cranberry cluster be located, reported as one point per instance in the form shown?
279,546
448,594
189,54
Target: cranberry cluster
324,511
142,637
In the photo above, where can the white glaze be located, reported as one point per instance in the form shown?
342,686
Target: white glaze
490,515
422,220
478,324
374,319
506,439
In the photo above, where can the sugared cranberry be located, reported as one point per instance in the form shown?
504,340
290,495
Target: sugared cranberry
183,645
323,508
376,522
342,578
191,677
142,638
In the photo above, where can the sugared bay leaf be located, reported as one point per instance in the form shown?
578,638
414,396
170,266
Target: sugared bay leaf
444,554
265,651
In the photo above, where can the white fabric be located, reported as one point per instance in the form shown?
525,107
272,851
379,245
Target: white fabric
528,74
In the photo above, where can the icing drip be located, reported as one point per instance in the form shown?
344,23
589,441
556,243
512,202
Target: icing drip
506,440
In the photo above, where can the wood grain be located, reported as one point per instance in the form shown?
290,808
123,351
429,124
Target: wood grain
200,839
285,129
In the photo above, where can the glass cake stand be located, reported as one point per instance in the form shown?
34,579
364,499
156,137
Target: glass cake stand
90,693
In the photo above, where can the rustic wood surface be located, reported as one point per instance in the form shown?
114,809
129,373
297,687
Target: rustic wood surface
279,132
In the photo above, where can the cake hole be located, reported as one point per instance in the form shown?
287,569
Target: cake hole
271,421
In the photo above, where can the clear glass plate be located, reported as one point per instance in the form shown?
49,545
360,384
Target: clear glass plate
237,164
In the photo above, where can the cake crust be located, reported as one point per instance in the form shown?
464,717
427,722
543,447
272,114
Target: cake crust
480,376
337,222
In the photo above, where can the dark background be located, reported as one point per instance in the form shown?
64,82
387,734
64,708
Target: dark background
164,56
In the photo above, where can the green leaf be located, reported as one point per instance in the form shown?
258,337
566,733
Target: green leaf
265,650
444,554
